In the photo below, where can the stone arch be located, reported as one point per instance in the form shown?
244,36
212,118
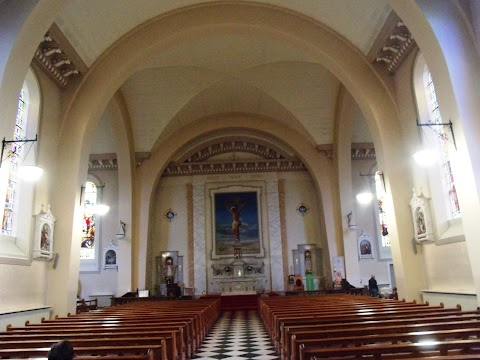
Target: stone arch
319,166
134,50
452,58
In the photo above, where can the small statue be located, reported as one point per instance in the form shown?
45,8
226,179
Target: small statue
308,262
169,270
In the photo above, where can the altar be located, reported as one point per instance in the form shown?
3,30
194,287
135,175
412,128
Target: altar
237,277
237,286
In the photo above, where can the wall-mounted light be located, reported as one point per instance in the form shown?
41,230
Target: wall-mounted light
121,233
351,225
366,197
427,157
25,172
101,209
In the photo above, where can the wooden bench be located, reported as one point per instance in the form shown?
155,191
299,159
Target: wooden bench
450,347
360,341
174,351
153,352
86,305
374,327
155,331
344,327
339,318
167,340
66,330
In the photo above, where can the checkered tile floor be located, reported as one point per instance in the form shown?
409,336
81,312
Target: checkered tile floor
237,335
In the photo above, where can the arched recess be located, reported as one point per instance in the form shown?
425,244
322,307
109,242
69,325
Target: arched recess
343,164
23,24
131,53
453,60
149,174
119,120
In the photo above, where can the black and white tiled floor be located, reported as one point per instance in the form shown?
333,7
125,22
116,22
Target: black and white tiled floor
237,335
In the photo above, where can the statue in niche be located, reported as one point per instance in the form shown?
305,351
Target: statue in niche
308,262
169,270
421,227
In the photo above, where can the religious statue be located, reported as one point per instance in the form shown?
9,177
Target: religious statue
308,262
234,208
169,270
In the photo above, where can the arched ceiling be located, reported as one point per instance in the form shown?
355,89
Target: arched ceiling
92,26
225,72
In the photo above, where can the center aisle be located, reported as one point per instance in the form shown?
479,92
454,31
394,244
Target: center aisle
237,335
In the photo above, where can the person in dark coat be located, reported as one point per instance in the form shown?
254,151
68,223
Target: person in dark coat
373,287
62,350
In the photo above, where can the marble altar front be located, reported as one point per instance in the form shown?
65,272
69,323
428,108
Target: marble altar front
238,277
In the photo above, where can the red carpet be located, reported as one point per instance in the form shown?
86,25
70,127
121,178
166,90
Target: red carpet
236,302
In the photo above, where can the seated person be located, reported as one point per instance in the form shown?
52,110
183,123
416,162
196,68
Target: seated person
346,286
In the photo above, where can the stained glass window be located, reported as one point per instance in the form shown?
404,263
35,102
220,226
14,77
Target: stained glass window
14,153
87,250
382,216
443,139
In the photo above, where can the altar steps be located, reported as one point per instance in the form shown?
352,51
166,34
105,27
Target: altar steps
239,302
236,302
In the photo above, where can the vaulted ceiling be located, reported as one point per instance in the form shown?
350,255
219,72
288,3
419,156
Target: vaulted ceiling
223,72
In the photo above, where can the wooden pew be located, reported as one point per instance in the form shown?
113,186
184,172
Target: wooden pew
339,318
156,331
86,305
153,352
191,331
360,341
297,334
389,351
82,340
339,321
56,336
66,329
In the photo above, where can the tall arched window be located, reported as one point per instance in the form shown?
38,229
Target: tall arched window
439,183
91,197
87,250
442,138
17,196
15,153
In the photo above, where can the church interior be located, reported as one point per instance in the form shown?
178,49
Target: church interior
237,148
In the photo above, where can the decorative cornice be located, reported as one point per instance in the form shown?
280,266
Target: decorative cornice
109,161
58,59
360,151
233,144
228,167
269,157
392,45
197,162
102,162
363,151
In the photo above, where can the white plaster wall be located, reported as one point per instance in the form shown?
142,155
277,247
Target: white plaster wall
300,189
447,266
105,280
171,193
25,286
451,300
365,218
171,235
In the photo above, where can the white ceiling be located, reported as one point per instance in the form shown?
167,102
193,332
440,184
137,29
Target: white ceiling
224,73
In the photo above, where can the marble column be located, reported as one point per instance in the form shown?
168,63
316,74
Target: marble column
199,226
275,234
